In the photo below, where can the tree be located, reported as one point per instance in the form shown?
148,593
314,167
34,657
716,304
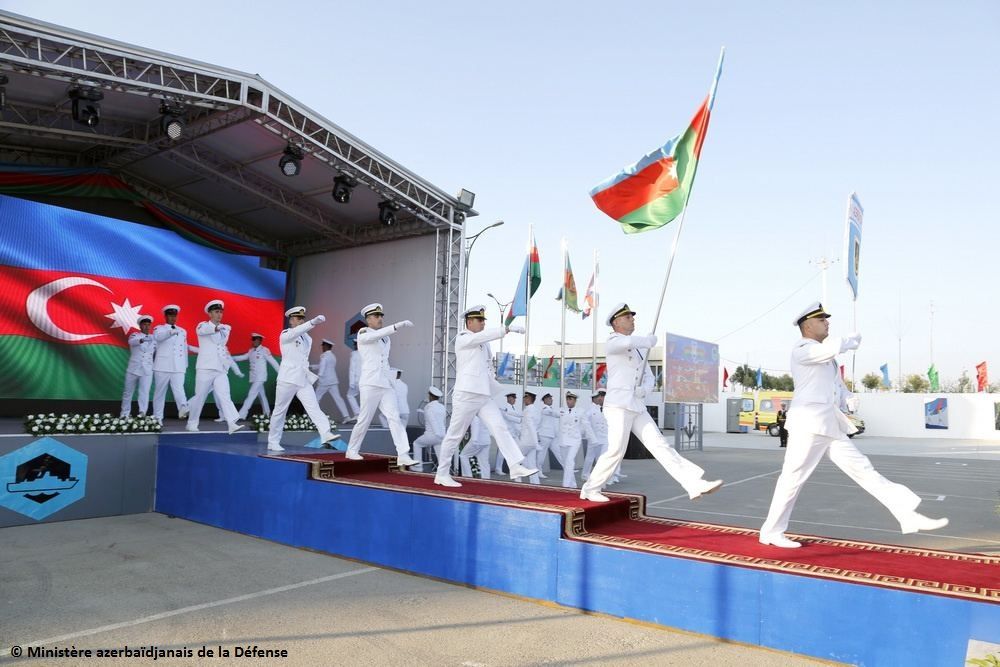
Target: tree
780,383
871,381
916,384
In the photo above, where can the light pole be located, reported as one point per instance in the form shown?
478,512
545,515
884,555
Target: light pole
501,306
468,252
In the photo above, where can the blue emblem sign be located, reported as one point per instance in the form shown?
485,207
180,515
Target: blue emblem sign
42,478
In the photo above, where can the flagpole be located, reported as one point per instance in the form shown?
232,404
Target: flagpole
562,337
593,343
527,312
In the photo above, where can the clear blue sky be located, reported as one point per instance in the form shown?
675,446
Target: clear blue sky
530,104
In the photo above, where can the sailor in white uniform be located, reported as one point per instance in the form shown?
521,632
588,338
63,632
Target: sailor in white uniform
547,433
475,384
353,378
478,447
295,380
376,386
531,421
139,372
599,426
212,369
434,425
170,363
260,358
402,397
512,416
328,382
629,381
574,426
816,426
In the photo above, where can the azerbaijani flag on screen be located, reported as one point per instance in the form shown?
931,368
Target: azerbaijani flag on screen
652,192
73,284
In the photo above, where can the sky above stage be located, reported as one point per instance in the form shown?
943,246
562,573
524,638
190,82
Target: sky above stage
530,104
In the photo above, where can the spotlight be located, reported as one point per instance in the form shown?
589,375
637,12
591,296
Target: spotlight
291,160
3,91
387,212
172,119
342,186
86,109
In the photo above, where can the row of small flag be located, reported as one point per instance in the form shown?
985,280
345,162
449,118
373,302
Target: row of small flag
505,366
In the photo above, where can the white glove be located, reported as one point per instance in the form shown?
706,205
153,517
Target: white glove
853,403
319,319
237,371
404,324
516,328
850,343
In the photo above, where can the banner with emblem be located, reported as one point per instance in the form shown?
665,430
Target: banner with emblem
73,285
855,214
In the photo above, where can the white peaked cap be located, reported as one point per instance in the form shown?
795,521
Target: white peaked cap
214,302
296,310
434,391
171,306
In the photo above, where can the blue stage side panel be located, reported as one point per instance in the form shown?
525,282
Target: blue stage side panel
482,545
853,623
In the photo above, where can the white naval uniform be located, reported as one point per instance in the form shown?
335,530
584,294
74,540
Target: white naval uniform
402,400
512,417
477,447
599,445
574,426
816,426
475,384
212,374
629,380
328,382
434,430
353,377
169,368
295,380
139,372
531,421
259,357
547,433
376,389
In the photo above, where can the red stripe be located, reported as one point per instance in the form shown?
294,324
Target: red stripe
636,191
82,309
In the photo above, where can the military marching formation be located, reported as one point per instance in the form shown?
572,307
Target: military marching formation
525,438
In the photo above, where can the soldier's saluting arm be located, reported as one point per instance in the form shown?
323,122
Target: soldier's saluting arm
367,335
288,335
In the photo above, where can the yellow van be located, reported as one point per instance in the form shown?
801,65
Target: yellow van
760,412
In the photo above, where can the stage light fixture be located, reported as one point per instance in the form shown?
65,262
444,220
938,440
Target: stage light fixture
387,212
86,109
3,91
466,199
291,160
172,119
342,186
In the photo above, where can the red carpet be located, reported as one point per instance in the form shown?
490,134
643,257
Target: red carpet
623,523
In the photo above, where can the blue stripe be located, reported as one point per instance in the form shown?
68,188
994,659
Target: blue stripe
43,237
666,150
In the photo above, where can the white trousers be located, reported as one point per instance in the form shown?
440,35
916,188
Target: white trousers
352,399
217,382
256,391
334,391
144,382
284,392
621,422
530,450
805,450
464,406
482,455
424,441
570,447
175,383
384,399
594,449
542,455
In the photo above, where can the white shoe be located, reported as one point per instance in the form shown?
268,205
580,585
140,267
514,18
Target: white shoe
405,460
193,429
704,487
182,414
354,457
916,522
220,420
542,475
779,541
594,496
446,480
329,438
275,448
518,470
233,428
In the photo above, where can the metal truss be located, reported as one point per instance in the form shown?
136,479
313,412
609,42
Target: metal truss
58,122
448,275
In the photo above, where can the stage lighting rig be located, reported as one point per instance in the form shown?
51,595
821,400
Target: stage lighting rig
86,109
291,160
387,212
342,186
172,119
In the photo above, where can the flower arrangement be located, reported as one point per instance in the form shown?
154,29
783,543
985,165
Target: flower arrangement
104,424
261,424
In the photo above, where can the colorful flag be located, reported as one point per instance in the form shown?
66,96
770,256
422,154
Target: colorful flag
982,380
855,214
886,382
725,377
73,284
568,291
760,378
602,370
504,363
548,367
527,284
588,370
932,375
590,299
532,362
653,191
570,367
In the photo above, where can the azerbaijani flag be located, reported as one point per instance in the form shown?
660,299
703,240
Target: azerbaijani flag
591,298
527,284
652,192
568,290
73,284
